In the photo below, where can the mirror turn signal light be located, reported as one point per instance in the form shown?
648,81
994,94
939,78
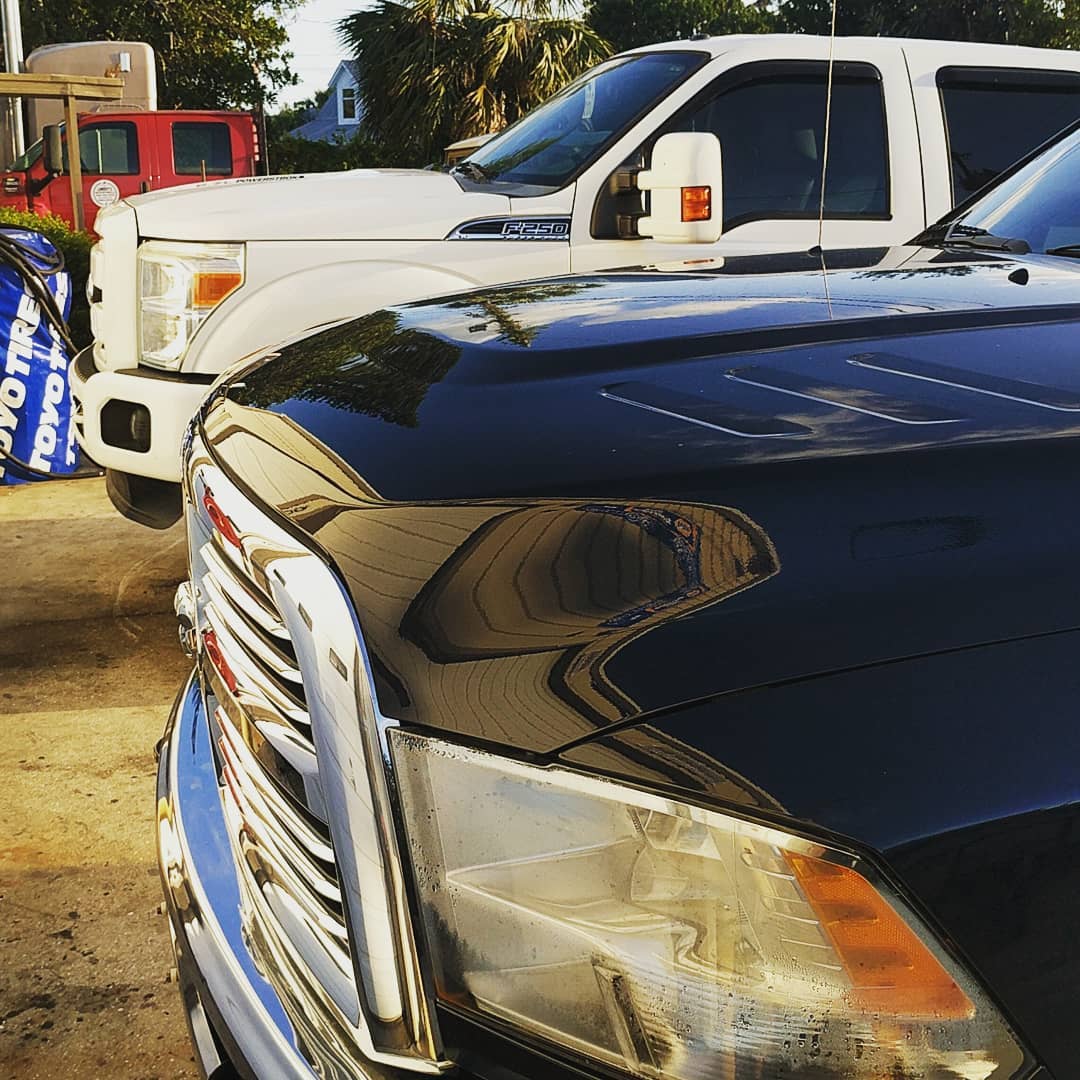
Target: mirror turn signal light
210,287
697,203
890,969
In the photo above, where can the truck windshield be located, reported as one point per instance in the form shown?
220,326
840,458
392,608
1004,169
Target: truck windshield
27,157
550,145
1038,205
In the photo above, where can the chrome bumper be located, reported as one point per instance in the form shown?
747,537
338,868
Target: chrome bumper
234,1015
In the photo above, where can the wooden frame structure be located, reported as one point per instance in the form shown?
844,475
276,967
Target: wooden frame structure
68,88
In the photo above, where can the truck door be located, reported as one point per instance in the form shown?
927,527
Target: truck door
769,116
114,163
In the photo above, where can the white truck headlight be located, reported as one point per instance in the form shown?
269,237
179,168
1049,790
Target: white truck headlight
674,941
179,285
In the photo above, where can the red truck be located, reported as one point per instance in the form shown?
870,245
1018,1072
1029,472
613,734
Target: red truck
125,153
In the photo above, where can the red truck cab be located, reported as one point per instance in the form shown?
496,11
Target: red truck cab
125,153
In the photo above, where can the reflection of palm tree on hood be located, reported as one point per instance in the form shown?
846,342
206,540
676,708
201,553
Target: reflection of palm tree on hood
379,366
370,366
496,305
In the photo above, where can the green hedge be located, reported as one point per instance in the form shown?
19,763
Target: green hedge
76,250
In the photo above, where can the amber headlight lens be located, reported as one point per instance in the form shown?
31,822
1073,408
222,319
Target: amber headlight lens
672,941
179,285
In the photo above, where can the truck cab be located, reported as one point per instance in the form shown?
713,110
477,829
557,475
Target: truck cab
916,126
129,153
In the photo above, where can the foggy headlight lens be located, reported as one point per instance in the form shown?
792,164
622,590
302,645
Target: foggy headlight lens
673,941
179,285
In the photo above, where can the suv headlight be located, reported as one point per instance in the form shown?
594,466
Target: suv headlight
179,285
674,941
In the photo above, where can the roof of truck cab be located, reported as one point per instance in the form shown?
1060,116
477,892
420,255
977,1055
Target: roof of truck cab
812,44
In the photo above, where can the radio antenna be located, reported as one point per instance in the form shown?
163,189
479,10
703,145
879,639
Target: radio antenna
825,152
828,123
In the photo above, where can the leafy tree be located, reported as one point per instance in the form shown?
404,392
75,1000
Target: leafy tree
434,71
1017,22
290,154
209,55
628,24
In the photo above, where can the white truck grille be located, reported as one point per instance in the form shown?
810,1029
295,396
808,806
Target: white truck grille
287,687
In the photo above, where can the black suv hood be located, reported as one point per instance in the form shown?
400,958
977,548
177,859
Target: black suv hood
651,471
811,552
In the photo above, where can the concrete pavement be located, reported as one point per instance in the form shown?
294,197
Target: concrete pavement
89,665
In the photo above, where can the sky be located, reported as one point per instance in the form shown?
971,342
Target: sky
313,40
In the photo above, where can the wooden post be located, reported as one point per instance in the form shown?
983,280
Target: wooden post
74,162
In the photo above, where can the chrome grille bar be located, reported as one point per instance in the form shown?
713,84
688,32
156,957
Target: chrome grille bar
322,908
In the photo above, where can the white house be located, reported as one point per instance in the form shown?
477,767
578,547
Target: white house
340,115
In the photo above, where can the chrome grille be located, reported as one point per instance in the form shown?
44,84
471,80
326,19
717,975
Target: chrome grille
317,900
254,641
267,754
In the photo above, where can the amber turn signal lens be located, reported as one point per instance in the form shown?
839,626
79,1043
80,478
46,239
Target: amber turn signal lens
211,287
891,970
697,203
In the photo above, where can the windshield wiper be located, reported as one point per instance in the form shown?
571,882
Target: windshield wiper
473,171
1071,251
968,236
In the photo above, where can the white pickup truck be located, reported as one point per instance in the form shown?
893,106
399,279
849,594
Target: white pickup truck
186,282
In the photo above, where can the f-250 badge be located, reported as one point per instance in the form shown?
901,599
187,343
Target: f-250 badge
536,229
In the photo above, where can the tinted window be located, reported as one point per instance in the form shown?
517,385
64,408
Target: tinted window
995,117
554,142
196,143
109,149
1040,203
772,131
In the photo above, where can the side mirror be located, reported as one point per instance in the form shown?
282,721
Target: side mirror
686,179
53,149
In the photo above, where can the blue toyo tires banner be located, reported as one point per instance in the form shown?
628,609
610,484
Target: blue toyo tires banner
35,402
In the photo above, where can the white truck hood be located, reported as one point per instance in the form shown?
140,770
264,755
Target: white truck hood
365,204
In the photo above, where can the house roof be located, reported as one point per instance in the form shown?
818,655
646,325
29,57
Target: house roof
324,126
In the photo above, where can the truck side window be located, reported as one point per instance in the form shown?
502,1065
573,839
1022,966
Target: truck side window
770,119
197,142
995,116
109,149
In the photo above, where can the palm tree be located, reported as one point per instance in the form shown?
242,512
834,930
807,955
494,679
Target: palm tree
434,71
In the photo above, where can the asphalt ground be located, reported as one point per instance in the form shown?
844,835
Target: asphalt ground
89,665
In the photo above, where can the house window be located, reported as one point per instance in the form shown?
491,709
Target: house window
348,103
